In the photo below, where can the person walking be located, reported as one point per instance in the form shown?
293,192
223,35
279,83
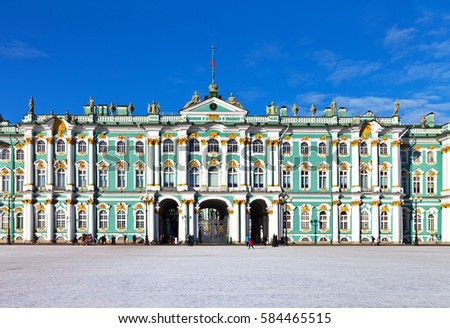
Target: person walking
246,241
250,243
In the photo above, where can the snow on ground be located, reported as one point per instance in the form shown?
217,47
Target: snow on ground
224,276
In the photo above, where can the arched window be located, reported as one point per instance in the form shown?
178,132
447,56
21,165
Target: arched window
103,220
40,146
121,147
20,155
5,220
383,149
194,177
213,146
213,176
258,178
60,219
6,154
287,178
121,219
41,219
194,145
82,147
60,180
82,219
365,223
363,149
102,147
323,221
343,223
140,220
19,220
322,148
168,177
139,147
305,221
168,146
258,147
286,220
232,178
232,146
430,157
60,146
417,156
431,222
364,176
343,149
304,148
384,220
286,148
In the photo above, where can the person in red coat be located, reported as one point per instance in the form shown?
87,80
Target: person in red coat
250,243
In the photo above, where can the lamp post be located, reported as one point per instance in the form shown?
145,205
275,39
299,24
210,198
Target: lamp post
284,199
314,224
146,201
9,198
415,199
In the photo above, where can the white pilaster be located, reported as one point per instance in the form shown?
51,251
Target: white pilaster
181,166
190,217
91,165
356,221
335,222
29,169
91,216
223,166
243,218
204,165
157,164
396,166
242,165
334,168
276,163
50,212
270,165
70,162
195,221
151,220
29,220
50,155
397,221
375,169
376,218
274,219
71,220
355,166
150,164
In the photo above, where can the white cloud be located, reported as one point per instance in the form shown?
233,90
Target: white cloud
347,70
396,37
268,51
20,50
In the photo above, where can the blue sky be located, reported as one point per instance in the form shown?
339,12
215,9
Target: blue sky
365,54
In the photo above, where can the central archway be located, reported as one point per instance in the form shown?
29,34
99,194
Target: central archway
213,222
168,221
259,223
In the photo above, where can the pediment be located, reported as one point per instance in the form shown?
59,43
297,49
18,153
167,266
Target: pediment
213,106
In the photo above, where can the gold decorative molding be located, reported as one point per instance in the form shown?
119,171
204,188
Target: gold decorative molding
182,141
28,141
259,136
334,142
375,142
91,141
213,117
376,203
396,143
70,140
50,140
194,136
70,201
336,202
356,202
91,201
355,143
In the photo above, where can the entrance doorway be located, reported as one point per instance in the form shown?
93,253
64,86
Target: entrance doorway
213,222
259,223
168,221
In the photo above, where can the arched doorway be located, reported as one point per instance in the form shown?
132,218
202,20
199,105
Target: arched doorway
168,220
259,223
213,222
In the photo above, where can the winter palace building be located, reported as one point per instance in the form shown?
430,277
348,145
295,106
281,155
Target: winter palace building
216,173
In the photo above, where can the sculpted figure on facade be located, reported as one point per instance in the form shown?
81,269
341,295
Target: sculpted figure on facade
130,108
396,107
333,107
91,105
153,108
112,108
233,101
313,110
272,109
194,100
295,109
31,105
423,120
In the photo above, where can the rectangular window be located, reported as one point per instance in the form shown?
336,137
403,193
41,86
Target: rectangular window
139,177
5,182
383,179
304,179
416,185
82,179
322,179
430,185
343,180
121,174
19,182
40,181
103,178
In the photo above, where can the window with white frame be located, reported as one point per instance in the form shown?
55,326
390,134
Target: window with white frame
60,219
383,149
41,219
5,178
40,146
139,147
140,219
417,222
103,220
19,220
304,179
5,220
103,177
365,221
258,147
194,177
121,147
168,177
384,222
323,220
417,187
213,176
60,178
102,147
322,179
305,222
430,157
121,219
417,157
343,222
431,222
364,178
213,146
258,178
286,148
82,177
139,177
431,184
322,148
60,146
6,155
304,148
287,177
82,147
82,219
232,178
363,149
20,178
343,179
40,175
384,180
121,178
20,155
343,148
232,146
194,146
286,220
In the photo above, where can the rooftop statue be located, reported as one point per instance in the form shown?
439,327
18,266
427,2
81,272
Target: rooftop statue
396,107
423,120
112,108
91,105
31,105
295,109
313,110
194,100
272,109
233,101
333,107
153,108
130,108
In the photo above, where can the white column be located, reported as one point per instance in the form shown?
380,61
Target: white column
29,166
70,163
181,166
182,221
190,217
91,164
335,222
204,165
70,219
396,166
91,216
397,221
156,220
270,165
157,165
195,221
445,167
334,168
276,163
274,219
355,166
29,220
376,218
243,217
375,183
445,222
224,182
356,221
150,164
50,155
242,167
50,211
151,221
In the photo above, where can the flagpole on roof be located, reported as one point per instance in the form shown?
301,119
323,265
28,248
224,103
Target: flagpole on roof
213,64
